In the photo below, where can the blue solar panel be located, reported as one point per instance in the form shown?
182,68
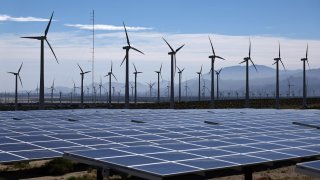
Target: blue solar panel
5,157
179,139
38,154
242,159
174,156
165,169
208,163
271,155
309,168
132,160
143,149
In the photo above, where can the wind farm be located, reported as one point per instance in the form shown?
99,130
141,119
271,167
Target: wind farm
148,104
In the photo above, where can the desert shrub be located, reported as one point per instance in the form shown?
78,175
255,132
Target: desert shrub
58,166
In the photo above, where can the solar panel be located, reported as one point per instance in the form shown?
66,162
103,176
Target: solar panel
167,143
309,168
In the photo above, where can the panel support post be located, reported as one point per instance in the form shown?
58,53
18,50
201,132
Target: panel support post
247,174
103,172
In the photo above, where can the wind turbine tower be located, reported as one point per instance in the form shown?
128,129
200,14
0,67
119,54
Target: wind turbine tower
159,74
277,77
82,73
246,60
213,58
180,76
135,83
172,53
304,60
126,58
199,87
17,75
42,39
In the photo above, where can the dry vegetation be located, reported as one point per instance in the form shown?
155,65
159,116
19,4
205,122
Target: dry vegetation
66,170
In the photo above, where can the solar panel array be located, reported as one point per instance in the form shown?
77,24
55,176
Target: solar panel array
160,142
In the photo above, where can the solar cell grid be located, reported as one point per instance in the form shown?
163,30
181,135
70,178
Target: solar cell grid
166,140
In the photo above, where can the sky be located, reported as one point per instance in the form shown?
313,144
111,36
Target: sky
230,24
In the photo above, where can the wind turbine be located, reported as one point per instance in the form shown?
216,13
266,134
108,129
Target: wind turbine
100,87
159,74
180,76
218,74
127,48
82,73
110,74
277,60
28,94
186,88
246,60
52,89
150,87
289,87
304,102
173,71
17,75
135,83
74,90
213,58
199,90
42,39
132,88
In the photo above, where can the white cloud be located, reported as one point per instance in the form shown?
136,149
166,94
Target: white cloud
107,27
4,17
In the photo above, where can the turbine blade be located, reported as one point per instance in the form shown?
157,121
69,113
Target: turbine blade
283,65
274,63
80,68
308,64
123,60
135,67
20,80
220,57
182,70
201,69
168,44
114,77
253,65
160,68
249,47
174,66
212,47
48,26
179,48
243,61
279,50
111,66
32,37
307,51
12,73
137,50
52,51
87,72
125,29
20,68
179,70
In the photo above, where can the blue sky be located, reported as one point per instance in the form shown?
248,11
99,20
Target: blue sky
293,22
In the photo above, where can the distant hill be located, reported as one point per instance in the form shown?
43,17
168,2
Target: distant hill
232,79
